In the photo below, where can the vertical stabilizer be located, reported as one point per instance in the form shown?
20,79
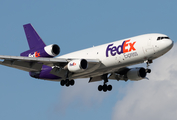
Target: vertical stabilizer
34,40
37,46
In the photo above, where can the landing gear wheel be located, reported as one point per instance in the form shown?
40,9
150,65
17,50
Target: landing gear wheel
109,87
148,70
62,82
67,82
100,88
71,82
105,87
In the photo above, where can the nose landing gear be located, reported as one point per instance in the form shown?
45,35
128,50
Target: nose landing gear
147,65
148,70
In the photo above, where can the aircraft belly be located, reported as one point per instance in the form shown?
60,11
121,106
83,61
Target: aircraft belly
103,70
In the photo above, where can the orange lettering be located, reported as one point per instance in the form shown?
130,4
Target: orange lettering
132,46
37,54
125,45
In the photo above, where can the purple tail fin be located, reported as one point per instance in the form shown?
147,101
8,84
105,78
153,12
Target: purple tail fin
34,40
37,46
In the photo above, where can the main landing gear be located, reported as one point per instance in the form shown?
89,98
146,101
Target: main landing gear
147,69
67,82
105,87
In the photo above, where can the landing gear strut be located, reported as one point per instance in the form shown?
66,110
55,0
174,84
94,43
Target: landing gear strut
105,87
67,82
147,69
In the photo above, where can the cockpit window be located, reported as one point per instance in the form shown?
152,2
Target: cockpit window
160,38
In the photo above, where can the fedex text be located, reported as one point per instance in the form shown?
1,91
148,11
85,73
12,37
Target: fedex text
126,46
72,64
35,54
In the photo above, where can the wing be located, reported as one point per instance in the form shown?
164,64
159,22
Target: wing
119,74
30,63
35,63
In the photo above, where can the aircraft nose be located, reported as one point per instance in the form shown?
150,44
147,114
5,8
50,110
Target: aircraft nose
166,44
169,43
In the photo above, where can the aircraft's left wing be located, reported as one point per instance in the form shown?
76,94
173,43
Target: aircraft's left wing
34,63
30,63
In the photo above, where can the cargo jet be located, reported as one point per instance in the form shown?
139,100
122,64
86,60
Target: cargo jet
104,62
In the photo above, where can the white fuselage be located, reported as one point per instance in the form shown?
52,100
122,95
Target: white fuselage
122,53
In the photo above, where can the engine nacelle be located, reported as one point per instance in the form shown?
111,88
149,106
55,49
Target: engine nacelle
52,50
47,51
77,65
136,74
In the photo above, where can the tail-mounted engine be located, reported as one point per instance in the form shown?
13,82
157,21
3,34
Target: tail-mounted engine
47,51
77,65
52,50
136,74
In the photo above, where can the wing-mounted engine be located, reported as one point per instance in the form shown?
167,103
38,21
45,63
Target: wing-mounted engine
136,74
133,74
77,65
47,51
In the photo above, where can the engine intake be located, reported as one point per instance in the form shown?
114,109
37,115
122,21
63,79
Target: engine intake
52,50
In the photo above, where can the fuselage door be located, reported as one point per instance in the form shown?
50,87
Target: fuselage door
149,42
148,48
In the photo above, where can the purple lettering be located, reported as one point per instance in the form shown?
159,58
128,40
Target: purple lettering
108,49
119,49
113,51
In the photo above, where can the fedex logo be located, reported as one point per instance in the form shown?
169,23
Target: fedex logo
72,64
35,54
126,46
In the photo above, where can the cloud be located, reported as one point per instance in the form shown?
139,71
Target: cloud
155,98
81,95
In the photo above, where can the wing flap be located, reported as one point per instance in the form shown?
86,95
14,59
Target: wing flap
95,79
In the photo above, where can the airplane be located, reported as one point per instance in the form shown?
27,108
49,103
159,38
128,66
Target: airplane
103,62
